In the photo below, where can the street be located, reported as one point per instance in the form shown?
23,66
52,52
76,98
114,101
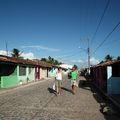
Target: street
38,102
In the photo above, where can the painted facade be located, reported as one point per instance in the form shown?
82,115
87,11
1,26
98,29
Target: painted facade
25,74
14,72
8,79
106,76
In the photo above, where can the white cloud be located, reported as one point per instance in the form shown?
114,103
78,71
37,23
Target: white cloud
84,63
29,55
41,47
2,52
94,61
77,61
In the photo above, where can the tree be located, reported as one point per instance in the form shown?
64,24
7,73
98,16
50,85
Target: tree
56,62
118,58
51,60
43,59
101,62
15,53
108,58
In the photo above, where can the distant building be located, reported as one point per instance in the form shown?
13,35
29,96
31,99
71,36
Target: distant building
66,66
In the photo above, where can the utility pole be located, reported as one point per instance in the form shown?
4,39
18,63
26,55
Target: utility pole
88,55
88,52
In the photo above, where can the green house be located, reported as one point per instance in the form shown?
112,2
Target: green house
8,75
14,72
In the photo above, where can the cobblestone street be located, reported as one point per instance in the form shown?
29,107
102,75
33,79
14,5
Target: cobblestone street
37,102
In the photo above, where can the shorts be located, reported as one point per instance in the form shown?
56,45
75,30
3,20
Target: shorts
58,83
73,82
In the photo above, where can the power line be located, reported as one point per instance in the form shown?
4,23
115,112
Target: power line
101,19
68,55
113,41
107,36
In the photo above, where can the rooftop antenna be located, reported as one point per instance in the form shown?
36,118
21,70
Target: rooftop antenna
6,45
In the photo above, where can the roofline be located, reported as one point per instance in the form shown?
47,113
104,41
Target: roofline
16,61
108,63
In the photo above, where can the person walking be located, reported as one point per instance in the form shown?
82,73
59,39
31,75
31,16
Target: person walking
74,75
58,81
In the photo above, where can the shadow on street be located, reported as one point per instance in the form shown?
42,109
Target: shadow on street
84,85
51,90
106,108
68,90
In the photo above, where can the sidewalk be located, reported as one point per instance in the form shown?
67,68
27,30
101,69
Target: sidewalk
7,90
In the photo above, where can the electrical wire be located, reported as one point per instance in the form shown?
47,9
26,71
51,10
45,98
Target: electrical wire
113,41
68,55
107,36
101,19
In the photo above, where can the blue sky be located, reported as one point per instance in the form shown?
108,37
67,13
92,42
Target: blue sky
60,28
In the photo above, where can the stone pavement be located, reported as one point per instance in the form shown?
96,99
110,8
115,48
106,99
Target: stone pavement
38,102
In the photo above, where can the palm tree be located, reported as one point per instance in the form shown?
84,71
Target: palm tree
43,59
51,60
108,58
15,53
118,58
56,62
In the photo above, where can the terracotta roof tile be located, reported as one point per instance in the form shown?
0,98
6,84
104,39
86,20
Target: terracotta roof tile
108,63
22,61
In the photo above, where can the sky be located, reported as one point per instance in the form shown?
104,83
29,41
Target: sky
61,29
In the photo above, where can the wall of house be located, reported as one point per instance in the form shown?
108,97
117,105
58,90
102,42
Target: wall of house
52,72
31,74
0,82
22,74
25,74
40,73
10,80
114,85
99,77
37,73
44,72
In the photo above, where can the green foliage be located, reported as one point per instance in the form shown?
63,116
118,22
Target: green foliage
15,53
108,58
43,59
118,58
51,60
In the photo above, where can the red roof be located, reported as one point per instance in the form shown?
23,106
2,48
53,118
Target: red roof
7,59
109,63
